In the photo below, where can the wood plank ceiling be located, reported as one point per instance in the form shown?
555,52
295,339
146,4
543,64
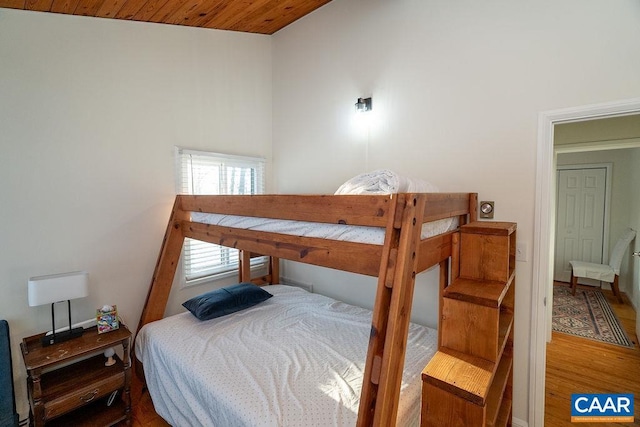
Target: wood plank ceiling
252,16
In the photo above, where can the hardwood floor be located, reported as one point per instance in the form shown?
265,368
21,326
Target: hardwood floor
579,365
143,413
574,365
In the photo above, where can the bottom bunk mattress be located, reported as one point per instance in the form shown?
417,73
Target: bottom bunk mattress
296,359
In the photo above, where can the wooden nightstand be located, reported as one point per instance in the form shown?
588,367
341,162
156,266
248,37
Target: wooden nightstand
69,384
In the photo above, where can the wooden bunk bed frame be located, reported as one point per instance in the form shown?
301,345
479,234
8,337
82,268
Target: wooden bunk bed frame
395,263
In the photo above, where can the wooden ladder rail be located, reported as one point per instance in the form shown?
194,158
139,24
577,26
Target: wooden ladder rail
165,269
392,309
391,315
161,282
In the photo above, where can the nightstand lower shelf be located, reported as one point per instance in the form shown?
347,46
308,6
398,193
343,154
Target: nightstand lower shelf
96,414
76,385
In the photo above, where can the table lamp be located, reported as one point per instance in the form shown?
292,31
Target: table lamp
58,288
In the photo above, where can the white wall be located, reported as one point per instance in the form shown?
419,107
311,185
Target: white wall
90,110
457,87
623,191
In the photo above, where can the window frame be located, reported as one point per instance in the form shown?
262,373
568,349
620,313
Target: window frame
257,185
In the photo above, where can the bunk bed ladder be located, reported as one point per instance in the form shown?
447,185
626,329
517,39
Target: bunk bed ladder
469,381
391,315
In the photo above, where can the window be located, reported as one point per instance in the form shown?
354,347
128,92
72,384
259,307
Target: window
201,172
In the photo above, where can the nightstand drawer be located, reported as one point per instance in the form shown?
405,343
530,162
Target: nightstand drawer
82,396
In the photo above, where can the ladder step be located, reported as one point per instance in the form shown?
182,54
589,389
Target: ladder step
460,374
491,228
482,292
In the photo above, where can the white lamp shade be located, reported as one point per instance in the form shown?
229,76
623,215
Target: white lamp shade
58,287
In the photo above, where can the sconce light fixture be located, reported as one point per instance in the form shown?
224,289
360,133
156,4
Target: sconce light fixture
363,105
58,288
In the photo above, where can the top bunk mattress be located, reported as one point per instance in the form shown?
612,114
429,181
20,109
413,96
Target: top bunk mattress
349,233
296,359
378,182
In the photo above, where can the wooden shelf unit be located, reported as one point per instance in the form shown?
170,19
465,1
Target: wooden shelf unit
469,381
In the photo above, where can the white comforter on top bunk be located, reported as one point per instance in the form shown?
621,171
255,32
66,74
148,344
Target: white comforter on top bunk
382,181
296,359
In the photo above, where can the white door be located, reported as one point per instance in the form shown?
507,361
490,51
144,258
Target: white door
580,214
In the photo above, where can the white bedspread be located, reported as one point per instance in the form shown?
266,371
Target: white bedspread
385,181
296,359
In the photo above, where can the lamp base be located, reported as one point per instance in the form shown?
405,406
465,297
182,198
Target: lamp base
62,336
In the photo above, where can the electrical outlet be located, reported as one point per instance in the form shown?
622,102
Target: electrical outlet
521,251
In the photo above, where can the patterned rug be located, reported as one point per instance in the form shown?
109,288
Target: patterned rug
587,315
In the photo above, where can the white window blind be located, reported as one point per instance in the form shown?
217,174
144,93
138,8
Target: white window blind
200,172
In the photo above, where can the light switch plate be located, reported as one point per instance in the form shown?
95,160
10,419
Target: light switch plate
521,251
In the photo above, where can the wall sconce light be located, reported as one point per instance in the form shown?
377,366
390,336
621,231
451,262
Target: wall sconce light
58,288
363,105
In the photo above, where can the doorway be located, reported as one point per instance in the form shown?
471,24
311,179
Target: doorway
544,231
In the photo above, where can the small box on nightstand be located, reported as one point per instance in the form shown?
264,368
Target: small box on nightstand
107,319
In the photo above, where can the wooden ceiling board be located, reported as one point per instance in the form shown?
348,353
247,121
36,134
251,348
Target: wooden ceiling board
38,5
110,8
169,8
236,12
229,13
188,12
204,14
257,18
64,6
88,7
129,9
253,16
14,4
149,9
272,14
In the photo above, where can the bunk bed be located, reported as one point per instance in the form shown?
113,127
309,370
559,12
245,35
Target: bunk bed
402,252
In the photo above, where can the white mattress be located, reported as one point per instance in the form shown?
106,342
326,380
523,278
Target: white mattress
351,233
296,359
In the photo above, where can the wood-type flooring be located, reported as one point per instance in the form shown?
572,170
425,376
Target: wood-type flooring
580,365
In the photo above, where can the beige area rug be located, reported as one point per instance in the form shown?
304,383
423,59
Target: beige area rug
587,315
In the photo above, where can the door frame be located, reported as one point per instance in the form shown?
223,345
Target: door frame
608,167
544,229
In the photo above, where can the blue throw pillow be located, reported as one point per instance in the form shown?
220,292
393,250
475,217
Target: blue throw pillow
227,300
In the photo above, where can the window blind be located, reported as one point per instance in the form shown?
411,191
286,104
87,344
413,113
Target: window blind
200,172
